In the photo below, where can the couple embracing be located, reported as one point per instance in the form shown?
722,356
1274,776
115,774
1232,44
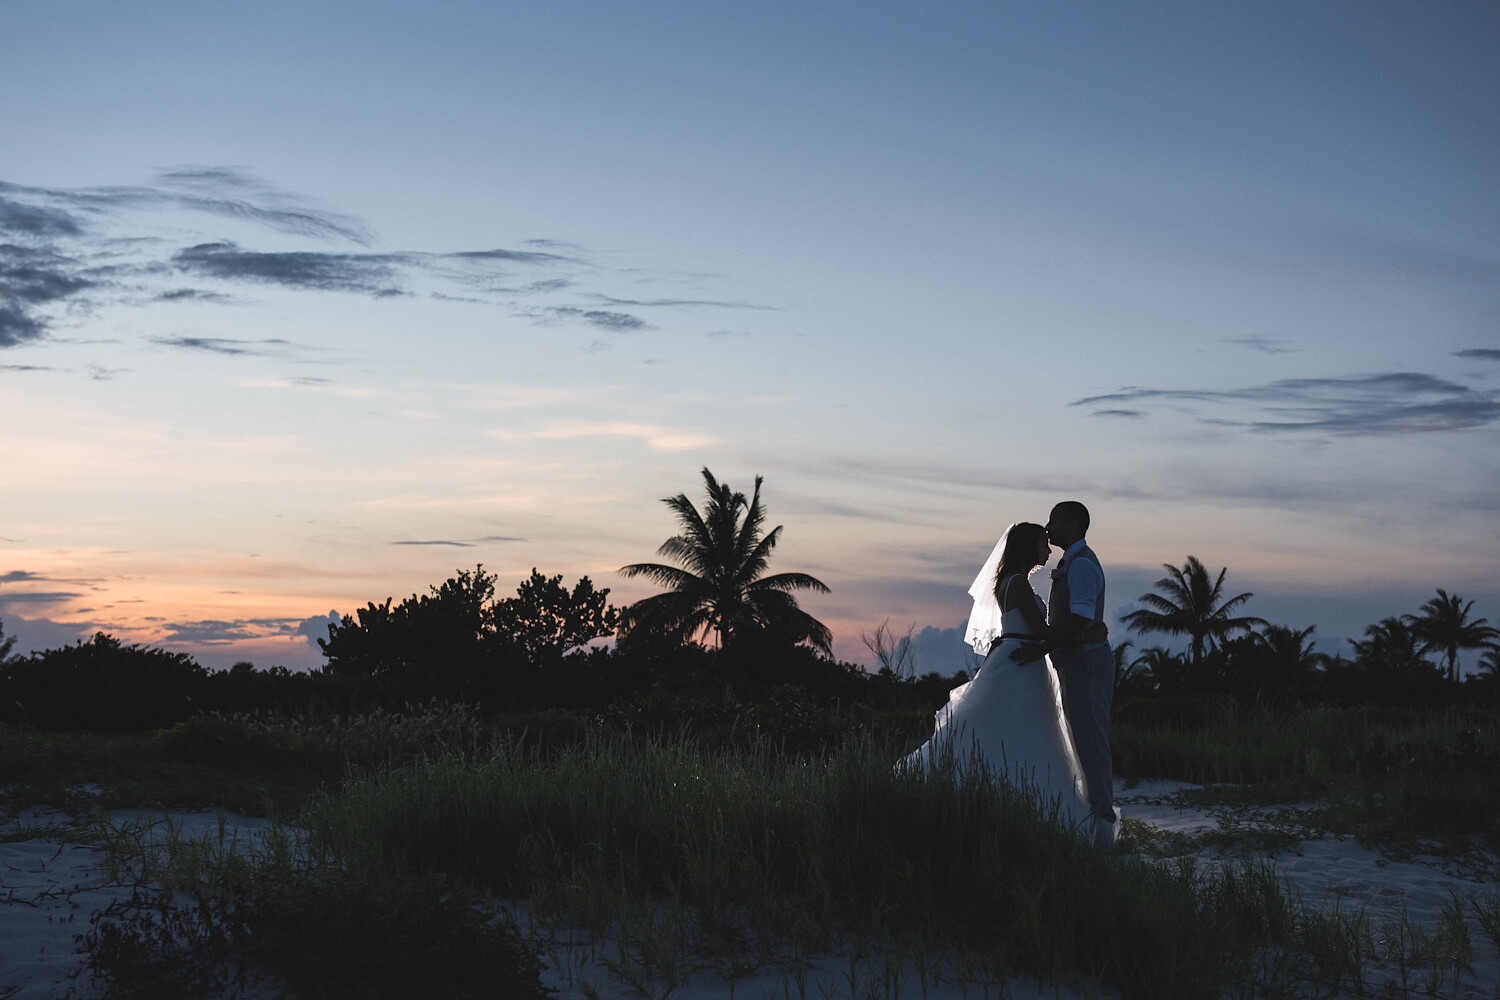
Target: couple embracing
1027,722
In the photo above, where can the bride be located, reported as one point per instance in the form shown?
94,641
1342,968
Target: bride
1009,719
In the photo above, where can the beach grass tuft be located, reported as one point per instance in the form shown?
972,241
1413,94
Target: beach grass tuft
813,853
683,858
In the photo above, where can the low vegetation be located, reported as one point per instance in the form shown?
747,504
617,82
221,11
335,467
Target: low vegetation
469,774
726,857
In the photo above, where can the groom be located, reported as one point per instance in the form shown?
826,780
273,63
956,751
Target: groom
1085,669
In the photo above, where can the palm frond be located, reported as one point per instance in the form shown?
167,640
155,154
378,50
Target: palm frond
748,540
1164,605
791,581
667,576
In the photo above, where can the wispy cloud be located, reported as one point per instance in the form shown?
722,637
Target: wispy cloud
219,191
38,596
610,300
16,327
519,256
219,345
18,576
77,250
659,438
193,295
226,632
1382,404
29,280
553,244
1481,353
1264,345
212,632
35,220
615,322
466,544
313,384
330,272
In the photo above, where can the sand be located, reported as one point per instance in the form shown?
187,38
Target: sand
49,889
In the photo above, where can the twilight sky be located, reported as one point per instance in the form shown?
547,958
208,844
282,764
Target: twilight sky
308,305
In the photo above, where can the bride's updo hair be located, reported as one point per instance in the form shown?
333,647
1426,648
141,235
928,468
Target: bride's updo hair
1019,555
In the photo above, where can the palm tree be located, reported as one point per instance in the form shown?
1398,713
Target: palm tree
1489,661
1278,663
719,587
1443,625
1125,672
1291,650
1189,605
1391,646
1132,673
1159,668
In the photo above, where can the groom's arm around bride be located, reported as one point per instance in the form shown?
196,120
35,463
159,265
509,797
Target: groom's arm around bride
1072,631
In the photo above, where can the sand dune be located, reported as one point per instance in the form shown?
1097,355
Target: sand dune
49,889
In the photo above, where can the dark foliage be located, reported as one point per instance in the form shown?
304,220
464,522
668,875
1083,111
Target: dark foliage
1185,714
531,653
458,643
334,934
154,946
243,688
429,645
101,686
7,643
324,933
546,621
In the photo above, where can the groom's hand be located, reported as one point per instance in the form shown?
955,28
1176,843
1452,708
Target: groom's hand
1028,652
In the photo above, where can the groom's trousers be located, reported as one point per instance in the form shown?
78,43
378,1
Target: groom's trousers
1087,676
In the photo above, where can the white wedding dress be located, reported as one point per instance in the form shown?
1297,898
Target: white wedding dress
1009,720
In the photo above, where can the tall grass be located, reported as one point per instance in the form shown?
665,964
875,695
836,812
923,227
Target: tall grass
694,857
1235,744
1384,774
814,851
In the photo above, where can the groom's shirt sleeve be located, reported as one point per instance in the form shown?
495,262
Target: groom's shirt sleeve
1084,581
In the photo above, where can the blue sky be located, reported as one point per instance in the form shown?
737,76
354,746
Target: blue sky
303,306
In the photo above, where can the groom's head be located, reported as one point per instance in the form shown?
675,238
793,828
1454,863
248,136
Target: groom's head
1069,522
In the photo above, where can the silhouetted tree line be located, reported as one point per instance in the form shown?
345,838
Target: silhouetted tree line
535,650
458,643
532,651
726,645
1406,660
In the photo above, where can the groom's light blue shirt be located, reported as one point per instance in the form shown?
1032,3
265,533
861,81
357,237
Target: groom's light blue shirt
1084,580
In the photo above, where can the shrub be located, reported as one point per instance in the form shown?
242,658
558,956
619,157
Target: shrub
153,946
101,686
330,933
330,744
324,932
